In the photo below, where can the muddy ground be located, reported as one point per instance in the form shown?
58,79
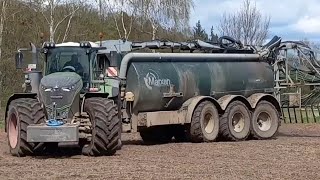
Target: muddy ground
295,154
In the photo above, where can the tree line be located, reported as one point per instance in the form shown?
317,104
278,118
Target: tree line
25,21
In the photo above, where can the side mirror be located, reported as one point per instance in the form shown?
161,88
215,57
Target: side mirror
19,59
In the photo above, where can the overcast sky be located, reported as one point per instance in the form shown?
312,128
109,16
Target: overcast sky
290,19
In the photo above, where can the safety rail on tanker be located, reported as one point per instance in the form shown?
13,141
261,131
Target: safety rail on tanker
225,44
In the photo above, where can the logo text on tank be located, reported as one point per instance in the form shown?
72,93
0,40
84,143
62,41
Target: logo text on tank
152,80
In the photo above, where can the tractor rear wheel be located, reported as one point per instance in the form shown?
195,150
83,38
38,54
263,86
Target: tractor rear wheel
106,124
265,121
23,112
235,122
204,123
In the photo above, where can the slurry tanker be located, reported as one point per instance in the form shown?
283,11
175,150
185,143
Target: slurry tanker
89,93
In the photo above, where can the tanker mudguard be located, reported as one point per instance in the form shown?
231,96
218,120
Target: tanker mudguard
251,101
224,101
13,97
192,103
256,98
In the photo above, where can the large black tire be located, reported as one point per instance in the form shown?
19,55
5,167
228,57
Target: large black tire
106,127
228,131
204,123
265,111
21,113
156,135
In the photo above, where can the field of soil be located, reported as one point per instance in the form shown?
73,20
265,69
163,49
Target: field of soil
295,154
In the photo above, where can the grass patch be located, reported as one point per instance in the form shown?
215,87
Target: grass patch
1,124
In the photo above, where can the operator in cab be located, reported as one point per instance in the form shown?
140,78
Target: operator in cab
74,62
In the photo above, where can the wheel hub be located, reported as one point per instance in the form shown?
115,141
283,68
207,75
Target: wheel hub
208,122
13,131
238,122
264,121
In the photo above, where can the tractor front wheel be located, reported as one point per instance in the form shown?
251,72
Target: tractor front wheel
106,124
23,112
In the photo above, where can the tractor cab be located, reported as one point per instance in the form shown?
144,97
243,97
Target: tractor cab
60,60
71,57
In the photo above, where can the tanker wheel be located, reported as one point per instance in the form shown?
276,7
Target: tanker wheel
235,122
106,126
156,135
265,121
21,113
204,123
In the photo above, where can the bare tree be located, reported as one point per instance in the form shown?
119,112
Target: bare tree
165,13
118,9
3,17
2,21
247,25
48,10
54,24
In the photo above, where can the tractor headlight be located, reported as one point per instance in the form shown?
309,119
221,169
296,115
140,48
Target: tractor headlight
46,89
85,44
67,89
48,45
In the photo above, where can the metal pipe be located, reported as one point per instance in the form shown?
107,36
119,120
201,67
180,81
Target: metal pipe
182,57
34,55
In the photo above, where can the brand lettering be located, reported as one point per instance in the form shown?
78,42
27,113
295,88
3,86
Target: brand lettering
153,80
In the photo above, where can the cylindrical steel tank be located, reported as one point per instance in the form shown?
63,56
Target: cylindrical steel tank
207,75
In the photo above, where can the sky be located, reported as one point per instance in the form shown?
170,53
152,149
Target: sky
290,19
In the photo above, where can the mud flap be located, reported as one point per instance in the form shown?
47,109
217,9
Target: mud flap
44,133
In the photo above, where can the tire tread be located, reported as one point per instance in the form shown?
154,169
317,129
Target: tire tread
225,130
106,126
253,133
29,112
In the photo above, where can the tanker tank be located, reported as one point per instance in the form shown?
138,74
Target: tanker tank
149,78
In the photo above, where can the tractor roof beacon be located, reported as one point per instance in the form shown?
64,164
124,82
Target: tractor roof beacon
88,93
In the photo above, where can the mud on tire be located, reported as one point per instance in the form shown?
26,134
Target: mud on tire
21,113
106,126
235,122
204,123
265,121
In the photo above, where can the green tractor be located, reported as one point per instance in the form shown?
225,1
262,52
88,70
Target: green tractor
69,102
